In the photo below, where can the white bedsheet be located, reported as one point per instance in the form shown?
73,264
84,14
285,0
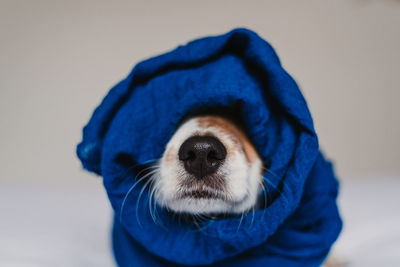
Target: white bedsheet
57,225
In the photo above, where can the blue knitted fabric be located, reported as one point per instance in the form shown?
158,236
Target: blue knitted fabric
140,114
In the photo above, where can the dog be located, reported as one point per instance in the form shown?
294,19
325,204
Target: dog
160,161
209,167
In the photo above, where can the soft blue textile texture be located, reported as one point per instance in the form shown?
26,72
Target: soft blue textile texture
134,122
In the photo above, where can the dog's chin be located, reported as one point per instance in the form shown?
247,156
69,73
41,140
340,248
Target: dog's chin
208,203
200,206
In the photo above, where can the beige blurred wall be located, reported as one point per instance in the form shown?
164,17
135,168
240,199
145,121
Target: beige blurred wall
59,58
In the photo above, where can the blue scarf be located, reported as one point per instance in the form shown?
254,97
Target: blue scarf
136,119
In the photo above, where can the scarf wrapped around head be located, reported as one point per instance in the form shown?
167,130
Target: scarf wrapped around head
139,115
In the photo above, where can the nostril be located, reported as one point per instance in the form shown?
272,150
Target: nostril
212,155
187,155
202,155
191,155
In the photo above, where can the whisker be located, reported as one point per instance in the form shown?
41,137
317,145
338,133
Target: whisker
138,201
277,189
252,217
130,190
156,210
240,222
274,186
136,165
150,200
147,169
264,190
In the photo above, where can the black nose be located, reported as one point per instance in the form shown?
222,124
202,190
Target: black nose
202,155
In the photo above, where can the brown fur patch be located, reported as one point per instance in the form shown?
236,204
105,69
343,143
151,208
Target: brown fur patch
170,155
237,136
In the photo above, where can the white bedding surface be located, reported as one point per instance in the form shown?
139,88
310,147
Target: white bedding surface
57,225
371,213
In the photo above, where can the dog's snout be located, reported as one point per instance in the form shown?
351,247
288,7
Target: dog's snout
202,155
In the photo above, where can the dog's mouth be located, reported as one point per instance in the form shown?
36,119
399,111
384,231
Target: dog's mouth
201,194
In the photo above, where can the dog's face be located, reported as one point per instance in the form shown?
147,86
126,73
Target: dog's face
209,167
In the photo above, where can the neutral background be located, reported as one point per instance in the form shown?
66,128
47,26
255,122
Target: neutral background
59,58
